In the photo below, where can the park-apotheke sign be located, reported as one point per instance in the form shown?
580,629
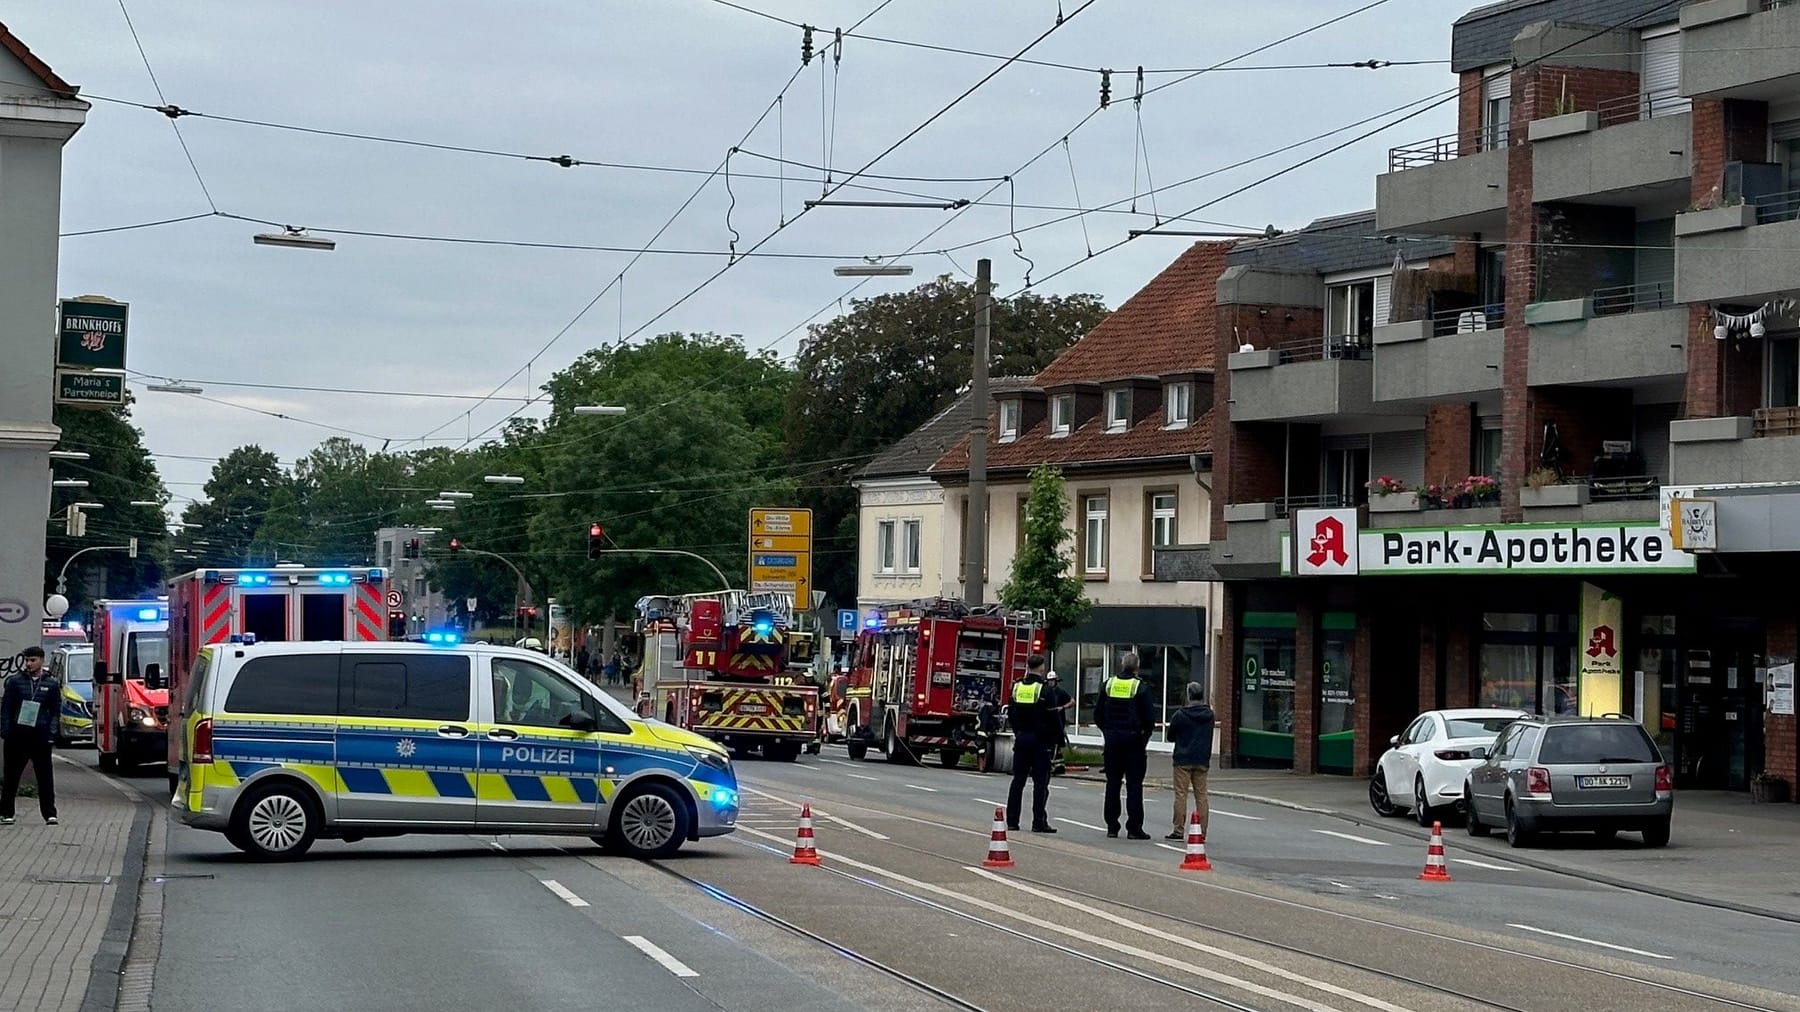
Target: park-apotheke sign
1329,543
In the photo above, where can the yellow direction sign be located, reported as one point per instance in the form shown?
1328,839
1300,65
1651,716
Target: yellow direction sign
781,553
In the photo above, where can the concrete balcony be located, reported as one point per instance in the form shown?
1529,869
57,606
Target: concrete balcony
1739,254
1455,356
1612,156
1630,334
1267,387
1740,49
1446,185
1724,451
1252,545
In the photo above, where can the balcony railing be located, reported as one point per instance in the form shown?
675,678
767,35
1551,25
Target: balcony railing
1624,488
1773,207
1286,506
1776,421
1776,5
1468,320
1443,149
1634,298
1612,111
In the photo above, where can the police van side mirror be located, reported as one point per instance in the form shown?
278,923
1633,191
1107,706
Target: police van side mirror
581,720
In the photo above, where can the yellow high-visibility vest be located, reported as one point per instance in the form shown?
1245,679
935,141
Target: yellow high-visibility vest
1026,692
1121,688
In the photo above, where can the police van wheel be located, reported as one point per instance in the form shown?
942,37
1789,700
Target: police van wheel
279,823
650,823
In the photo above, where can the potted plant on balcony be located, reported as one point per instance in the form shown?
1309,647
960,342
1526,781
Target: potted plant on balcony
1768,789
1390,495
1475,491
1546,487
1434,497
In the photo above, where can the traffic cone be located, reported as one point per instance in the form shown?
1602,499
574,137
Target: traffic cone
804,852
1196,847
1435,869
998,854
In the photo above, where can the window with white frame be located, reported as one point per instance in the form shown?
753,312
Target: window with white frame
884,546
1094,534
1062,415
1178,404
1496,105
1118,410
1009,421
1162,519
909,542
1350,312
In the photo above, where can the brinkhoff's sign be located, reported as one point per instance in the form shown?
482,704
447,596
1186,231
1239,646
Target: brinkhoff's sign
1328,543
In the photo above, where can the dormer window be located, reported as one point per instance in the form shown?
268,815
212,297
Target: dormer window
1178,405
1118,410
1009,421
1062,415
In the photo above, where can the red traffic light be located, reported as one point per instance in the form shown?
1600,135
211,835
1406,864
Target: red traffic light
596,531
455,545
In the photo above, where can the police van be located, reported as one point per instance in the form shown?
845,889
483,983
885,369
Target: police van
284,743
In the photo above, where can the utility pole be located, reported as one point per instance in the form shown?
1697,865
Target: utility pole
975,547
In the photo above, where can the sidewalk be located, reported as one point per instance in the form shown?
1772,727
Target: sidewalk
1724,851
70,892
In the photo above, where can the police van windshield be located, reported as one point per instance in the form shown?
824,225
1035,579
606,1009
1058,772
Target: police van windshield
78,666
143,649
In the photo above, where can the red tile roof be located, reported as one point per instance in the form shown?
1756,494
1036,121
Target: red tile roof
12,44
1166,327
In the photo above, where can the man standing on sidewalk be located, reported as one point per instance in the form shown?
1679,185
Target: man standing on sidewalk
1191,728
30,706
1125,717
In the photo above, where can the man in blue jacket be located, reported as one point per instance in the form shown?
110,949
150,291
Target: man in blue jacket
1191,728
30,706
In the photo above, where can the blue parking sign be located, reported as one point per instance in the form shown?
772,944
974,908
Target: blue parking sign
846,620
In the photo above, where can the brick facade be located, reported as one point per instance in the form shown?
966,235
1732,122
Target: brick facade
1306,686
1225,669
1781,734
1613,93
1521,275
1449,442
1719,380
1362,684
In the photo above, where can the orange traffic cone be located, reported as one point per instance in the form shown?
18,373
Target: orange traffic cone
804,852
1196,847
1435,869
998,854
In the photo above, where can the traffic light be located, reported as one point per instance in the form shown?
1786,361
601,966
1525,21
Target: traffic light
596,534
411,550
455,546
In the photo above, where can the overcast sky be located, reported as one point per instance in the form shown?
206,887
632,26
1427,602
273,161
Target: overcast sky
661,82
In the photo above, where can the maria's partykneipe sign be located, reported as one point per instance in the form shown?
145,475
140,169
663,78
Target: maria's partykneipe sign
1329,543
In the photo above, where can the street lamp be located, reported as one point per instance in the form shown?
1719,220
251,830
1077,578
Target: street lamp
873,271
456,495
441,502
69,483
176,387
599,409
68,455
292,237
446,509
503,479
145,502
90,506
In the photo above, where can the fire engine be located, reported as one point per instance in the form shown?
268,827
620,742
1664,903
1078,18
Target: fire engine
131,671
734,668
924,673
260,605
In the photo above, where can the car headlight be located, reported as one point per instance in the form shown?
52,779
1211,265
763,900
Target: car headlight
139,715
707,757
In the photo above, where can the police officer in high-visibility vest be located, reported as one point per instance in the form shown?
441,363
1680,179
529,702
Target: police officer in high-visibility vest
1034,737
1127,720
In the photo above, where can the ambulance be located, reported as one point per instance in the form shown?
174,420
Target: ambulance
131,671
284,603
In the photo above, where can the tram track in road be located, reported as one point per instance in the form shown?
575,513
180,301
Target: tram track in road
751,909
1370,922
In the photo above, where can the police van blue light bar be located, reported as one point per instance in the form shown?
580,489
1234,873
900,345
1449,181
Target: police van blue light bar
254,579
149,614
447,639
335,579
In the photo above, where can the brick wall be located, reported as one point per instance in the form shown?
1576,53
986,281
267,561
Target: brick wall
1460,670
1718,382
1449,442
1247,458
1468,113
1781,735
1411,298
1584,417
1584,89
1428,661
1521,271
1225,669
1296,329
1306,687
1585,247
1362,663
1741,362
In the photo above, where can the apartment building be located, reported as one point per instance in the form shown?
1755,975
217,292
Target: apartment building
414,606
1581,379
1125,413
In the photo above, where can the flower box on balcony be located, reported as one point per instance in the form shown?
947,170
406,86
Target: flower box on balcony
1553,495
1715,219
1394,502
1566,125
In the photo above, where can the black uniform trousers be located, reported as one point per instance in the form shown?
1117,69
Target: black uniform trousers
21,748
1126,762
1031,758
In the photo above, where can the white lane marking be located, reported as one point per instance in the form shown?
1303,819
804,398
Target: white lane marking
978,776
1352,839
1236,815
993,804
1335,882
1083,825
1058,787
1211,950
1170,846
861,776
847,824
496,844
941,827
1590,941
1483,864
928,790
766,819
1185,966
561,890
838,762
655,951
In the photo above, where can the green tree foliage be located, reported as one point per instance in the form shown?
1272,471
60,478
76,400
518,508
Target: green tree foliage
880,371
118,472
221,530
496,520
1041,576
339,496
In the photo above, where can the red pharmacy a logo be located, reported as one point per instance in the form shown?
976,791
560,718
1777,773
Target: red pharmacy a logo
1328,543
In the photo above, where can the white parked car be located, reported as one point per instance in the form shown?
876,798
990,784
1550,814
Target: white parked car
1424,771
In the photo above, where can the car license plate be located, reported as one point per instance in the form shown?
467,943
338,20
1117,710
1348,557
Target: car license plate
1612,782
752,708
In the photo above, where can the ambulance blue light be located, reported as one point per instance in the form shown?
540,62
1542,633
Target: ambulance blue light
376,575
148,614
764,626
447,639
254,579
335,579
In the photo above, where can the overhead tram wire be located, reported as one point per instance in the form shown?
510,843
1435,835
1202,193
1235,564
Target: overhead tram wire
157,86
1450,95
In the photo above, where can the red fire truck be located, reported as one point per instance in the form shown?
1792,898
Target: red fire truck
131,672
922,674
734,668
284,603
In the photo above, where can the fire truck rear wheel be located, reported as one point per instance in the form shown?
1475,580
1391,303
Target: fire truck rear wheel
898,751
